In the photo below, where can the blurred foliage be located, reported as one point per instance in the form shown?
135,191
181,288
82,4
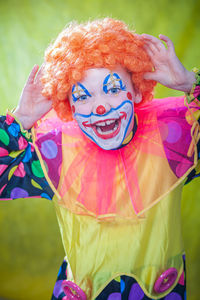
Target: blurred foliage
31,250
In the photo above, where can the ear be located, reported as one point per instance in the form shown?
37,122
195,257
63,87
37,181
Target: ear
138,97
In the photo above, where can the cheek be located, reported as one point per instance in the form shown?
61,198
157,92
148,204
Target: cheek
83,108
129,96
73,109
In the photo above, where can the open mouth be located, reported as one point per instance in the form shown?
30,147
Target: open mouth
107,129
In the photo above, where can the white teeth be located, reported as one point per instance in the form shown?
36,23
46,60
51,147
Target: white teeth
109,122
98,128
102,124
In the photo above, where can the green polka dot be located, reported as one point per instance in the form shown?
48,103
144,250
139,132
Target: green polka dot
37,169
4,137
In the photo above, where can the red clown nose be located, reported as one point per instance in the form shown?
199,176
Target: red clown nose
100,110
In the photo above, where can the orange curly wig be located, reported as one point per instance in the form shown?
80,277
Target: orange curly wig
101,43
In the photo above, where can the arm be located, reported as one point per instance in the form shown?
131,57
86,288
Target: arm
21,175
20,170
32,105
168,70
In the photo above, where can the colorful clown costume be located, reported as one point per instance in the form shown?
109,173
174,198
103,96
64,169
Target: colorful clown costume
118,210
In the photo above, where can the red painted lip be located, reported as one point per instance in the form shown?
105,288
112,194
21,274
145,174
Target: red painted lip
123,115
109,135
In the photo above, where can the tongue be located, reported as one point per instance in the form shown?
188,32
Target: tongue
107,127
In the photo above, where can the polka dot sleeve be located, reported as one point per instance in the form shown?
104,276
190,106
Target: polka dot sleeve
194,97
194,94
21,175
194,174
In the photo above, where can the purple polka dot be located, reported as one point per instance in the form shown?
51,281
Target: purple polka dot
173,296
174,132
114,296
49,149
58,288
136,293
18,193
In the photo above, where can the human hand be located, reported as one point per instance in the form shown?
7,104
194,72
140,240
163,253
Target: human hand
32,105
168,70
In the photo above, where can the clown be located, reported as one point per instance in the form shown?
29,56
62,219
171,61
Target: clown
114,162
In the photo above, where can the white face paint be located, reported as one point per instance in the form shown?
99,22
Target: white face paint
103,106
107,131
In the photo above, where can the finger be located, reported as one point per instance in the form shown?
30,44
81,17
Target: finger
152,40
39,74
151,53
31,76
167,40
151,50
151,76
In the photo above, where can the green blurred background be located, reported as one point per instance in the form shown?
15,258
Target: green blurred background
30,245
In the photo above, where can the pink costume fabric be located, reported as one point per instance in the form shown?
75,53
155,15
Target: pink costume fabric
162,131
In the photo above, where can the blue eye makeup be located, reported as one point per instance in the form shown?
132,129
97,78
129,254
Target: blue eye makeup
113,84
79,92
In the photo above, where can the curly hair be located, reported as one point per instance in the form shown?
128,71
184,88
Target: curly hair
102,43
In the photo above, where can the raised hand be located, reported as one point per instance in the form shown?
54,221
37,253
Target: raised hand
32,105
168,70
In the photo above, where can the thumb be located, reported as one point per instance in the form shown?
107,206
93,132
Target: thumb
151,76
